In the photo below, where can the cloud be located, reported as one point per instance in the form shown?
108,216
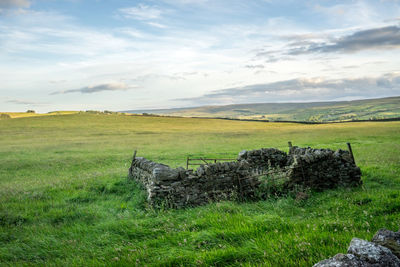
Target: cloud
323,43
37,40
311,89
343,14
259,66
23,102
14,6
392,20
186,2
57,81
377,39
157,25
97,88
160,77
141,12
14,3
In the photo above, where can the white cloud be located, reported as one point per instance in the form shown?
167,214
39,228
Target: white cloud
157,25
67,40
185,2
353,13
141,12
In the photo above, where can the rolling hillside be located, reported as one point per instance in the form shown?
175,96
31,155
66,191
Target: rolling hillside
368,109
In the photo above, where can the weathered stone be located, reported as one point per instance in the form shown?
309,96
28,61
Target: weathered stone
342,260
388,239
242,154
373,253
165,174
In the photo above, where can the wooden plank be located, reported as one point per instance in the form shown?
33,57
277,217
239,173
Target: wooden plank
351,152
204,160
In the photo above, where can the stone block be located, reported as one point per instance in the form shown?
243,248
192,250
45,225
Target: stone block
342,260
388,239
373,253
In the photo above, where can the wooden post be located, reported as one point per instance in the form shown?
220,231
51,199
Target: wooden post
134,157
290,146
351,152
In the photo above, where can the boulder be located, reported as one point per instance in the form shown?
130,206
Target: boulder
373,253
342,260
388,239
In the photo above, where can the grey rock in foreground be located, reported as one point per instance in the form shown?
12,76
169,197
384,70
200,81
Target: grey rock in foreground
373,253
388,239
382,251
342,260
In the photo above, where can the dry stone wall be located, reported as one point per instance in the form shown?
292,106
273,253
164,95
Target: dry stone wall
179,187
264,159
321,168
314,168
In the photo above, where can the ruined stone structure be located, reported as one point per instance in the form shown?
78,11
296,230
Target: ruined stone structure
382,251
314,168
322,168
180,187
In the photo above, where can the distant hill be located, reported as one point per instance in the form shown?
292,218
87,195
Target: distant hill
367,109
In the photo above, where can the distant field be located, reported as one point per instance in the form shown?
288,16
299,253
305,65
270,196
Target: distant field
14,115
369,109
65,199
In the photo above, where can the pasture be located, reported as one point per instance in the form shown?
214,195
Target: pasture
65,199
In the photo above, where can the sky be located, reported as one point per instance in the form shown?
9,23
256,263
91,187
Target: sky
123,55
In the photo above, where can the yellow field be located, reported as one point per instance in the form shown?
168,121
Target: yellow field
16,115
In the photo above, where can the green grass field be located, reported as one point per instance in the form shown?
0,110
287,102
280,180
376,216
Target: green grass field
65,199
